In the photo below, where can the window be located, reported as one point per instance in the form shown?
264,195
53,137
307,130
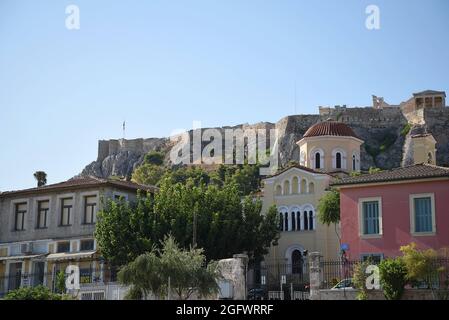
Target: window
63,247
66,210
310,220
338,160
42,214
422,213
296,262
19,216
293,221
281,221
286,222
306,221
353,163
298,220
90,204
375,258
317,160
370,218
87,245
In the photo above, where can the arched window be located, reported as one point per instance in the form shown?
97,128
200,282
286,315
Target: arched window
317,160
311,187
303,185
286,221
286,187
298,221
293,221
278,190
306,221
281,221
338,160
310,220
296,262
353,163
295,185
429,158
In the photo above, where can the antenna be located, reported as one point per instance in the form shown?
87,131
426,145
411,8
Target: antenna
124,129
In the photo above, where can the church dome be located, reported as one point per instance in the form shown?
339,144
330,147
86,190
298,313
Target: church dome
330,128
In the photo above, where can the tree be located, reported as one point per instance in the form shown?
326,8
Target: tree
222,224
422,267
148,174
41,178
154,158
359,279
329,209
184,270
34,293
125,230
393,274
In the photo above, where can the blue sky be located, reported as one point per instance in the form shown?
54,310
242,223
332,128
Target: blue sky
160,65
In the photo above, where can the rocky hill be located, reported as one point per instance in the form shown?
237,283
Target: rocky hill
385,131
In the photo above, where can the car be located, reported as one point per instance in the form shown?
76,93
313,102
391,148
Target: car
343,285
257,294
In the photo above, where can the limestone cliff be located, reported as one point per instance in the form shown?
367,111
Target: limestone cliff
385,131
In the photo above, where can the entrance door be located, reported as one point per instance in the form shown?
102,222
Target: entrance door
15,275
296,262
38,273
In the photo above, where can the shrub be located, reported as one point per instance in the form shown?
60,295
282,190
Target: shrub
154,157
33,293
393,273
359,279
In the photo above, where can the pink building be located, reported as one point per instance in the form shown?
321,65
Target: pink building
383,211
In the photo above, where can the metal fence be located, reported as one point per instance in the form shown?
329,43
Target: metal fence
278,281
341,272
55,279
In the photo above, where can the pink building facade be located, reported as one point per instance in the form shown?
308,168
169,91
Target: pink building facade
384,211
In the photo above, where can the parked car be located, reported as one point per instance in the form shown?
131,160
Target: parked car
257,294
344,284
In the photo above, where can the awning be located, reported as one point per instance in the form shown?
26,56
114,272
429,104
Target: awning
70,256
22,257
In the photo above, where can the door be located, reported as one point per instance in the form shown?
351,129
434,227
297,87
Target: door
15,275
38,273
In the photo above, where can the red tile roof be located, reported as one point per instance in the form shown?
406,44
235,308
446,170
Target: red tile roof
330,128
84,182
413,172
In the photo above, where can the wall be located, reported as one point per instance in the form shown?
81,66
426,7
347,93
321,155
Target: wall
409,294
395,217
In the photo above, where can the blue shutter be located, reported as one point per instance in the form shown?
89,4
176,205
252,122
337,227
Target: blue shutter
423,214
371,217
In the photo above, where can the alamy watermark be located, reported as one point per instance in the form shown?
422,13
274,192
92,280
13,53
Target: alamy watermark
72,20
226,146
372,21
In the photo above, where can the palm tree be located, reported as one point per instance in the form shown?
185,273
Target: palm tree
41,178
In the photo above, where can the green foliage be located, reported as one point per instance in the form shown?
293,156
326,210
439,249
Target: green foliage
355,174
406,129
420,264
359,279
41,178
186,270
125,230
388,140
154,157
374,170
33,293
393,273
226,225
329,207
148,174
60,281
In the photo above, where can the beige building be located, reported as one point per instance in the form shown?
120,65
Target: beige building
327,149
45,229
423,148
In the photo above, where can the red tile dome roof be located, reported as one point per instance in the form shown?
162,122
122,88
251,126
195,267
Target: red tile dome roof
330,128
